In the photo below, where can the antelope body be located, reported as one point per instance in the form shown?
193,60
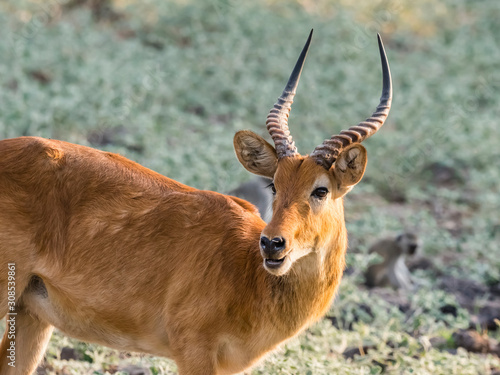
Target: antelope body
110,252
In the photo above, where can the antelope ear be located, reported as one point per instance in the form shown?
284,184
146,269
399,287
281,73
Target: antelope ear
255,154
349,168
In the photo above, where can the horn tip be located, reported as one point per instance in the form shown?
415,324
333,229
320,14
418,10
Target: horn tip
380,43
309,39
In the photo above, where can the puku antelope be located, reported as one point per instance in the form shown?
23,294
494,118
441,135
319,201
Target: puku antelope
110,252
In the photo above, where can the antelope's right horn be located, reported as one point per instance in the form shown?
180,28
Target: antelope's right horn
277,120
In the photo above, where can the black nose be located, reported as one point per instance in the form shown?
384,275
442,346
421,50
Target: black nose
272,246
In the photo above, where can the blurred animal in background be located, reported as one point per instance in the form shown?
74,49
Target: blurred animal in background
392,271
257,192
101,9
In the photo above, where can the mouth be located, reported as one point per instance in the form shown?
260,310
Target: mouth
274,263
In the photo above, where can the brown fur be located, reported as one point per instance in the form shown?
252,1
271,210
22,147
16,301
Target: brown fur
133,260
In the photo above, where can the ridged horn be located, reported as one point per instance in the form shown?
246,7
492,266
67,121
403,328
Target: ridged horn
326,153
277,120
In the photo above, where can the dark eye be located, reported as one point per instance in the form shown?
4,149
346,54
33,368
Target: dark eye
271,186
320,192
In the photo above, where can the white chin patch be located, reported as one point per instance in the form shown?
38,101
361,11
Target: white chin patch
299,253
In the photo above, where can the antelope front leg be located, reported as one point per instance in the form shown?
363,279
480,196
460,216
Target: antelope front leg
196,362
31,338
196,369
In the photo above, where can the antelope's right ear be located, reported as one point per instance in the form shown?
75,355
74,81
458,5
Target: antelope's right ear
255,154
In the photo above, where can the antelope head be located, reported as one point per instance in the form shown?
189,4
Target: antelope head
307,208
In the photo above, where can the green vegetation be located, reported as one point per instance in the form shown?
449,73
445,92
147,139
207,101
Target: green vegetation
169,83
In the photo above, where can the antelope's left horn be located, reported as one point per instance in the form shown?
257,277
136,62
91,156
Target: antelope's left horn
277,120
326,153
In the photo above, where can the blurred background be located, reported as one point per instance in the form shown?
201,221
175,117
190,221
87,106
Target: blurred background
168,83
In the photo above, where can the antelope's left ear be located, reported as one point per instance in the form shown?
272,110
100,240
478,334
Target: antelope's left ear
349,168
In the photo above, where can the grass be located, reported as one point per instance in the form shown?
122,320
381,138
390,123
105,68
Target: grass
170,83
